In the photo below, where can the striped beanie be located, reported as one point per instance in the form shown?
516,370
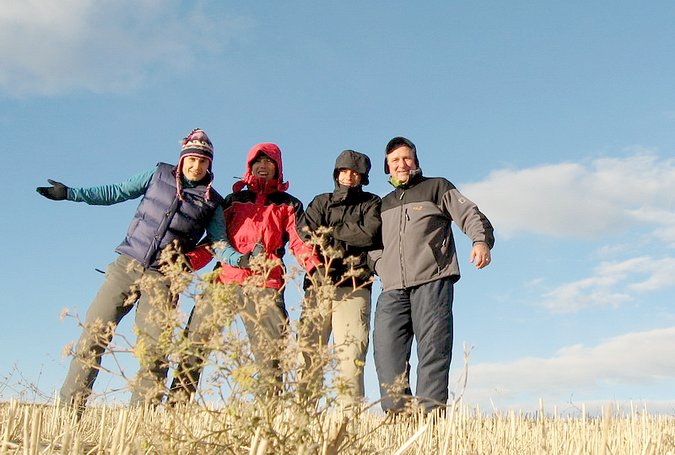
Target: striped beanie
197,143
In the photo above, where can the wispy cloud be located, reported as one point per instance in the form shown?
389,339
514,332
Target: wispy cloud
581,200
612,284
634,358
627,199
57,46
663,218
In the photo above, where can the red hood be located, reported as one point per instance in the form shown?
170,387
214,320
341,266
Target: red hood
260,185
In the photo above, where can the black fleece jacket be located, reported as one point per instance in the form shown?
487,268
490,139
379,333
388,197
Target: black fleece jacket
354,216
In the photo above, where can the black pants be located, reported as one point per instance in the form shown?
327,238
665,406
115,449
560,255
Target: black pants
424,312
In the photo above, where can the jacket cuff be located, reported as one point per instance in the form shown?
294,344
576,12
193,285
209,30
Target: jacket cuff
481,241
199,257
227,255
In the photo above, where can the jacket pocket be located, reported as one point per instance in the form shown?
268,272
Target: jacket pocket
440,248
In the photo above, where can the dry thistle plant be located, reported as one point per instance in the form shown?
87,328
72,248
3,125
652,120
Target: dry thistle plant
150,349
280,395
241,407
281,391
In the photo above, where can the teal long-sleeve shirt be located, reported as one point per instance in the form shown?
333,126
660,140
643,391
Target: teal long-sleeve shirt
134,187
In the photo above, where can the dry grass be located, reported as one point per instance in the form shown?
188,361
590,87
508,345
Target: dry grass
36,429
240,408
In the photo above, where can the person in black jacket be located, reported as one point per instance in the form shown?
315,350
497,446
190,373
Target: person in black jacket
352,218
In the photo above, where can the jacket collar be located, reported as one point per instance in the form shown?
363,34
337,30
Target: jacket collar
415,176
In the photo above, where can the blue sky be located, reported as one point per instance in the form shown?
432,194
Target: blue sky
556,118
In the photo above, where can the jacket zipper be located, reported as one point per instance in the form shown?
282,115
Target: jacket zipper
401,251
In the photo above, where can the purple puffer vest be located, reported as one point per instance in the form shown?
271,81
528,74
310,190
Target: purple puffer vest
162,218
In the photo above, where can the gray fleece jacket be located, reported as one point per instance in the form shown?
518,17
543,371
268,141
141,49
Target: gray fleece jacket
419,246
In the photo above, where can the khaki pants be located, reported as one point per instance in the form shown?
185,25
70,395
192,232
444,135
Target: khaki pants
347,317
114,300
263,312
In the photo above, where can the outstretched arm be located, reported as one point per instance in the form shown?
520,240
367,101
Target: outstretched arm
131,188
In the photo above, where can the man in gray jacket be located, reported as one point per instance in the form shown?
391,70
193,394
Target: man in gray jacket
418,268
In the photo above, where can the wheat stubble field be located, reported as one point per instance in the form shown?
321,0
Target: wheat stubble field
43,429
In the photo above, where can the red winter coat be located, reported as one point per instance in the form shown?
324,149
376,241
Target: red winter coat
264,213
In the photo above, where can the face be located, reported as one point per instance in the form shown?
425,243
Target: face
348,177
264,167
401,161
195,168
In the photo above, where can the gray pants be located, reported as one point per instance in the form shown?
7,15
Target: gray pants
114,300
424,312
263,312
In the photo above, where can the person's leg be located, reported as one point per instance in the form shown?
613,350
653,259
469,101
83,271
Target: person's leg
392,341
188,371
213,311
351,325
314,331
266,322
111,304
154,319
432,323
186,377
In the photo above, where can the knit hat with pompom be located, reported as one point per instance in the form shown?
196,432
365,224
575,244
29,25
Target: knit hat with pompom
197,143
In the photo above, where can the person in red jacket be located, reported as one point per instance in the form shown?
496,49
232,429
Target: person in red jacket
260,218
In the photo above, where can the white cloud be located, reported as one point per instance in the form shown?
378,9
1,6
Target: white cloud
663,218
612,284
56,46
627,200
581,200
659,275
640,359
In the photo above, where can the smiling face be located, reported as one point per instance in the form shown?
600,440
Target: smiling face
264,167
348,177
401,161
195,168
